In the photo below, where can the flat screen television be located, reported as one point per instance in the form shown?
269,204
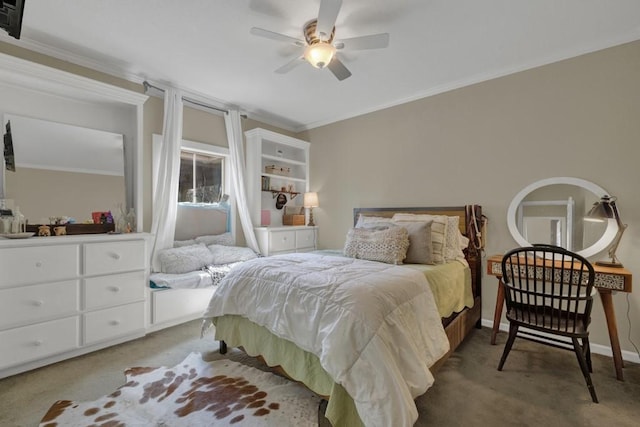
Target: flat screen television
9,158
11,12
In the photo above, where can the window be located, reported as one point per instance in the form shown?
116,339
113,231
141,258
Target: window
203,182
201,177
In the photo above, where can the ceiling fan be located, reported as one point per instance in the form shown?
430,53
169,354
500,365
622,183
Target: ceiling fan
320,47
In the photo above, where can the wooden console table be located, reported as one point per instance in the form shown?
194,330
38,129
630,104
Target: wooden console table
607,280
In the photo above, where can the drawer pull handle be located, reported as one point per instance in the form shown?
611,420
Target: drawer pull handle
115,288
115,256
39,264
38,303
114,322
37,343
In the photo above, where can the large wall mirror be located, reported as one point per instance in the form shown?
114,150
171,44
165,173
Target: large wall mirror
552,211
63,170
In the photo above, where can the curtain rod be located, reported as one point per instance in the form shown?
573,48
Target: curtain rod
148,85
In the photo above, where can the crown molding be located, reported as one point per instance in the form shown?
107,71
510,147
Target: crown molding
13,68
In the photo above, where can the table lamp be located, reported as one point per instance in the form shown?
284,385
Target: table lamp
602,210
311,201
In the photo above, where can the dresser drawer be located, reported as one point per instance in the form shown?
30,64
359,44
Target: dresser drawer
38,264
282,241
28,304
113,322
114,257
115,289
305,239
37,341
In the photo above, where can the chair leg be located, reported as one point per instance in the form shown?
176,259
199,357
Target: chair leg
585,368
587,353
513,331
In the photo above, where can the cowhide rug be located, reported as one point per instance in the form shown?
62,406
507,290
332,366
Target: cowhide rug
194,393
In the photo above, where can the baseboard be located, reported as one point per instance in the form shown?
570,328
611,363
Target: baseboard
627,356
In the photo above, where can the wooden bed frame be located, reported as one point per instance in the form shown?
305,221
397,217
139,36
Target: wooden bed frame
457,326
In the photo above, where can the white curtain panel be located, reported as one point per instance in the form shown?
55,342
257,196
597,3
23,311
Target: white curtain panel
165,200
236,149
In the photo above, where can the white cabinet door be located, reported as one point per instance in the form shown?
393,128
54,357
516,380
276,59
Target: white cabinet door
37,341
28,304
113,322
282,241
115,289
114,257
38,264
305,240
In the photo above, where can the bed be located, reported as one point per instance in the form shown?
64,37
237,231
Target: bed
414,336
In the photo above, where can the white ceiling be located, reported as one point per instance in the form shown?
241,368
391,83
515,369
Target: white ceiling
204,47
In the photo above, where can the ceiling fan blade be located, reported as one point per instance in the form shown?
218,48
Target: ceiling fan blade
290,65
338,69
374,41
327,16
261,32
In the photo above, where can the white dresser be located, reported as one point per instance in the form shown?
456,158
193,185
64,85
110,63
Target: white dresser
286,239
68,295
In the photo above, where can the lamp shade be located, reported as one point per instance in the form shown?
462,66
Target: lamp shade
319,54
602,209
311,200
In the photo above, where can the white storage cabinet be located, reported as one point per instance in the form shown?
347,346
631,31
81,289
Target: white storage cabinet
64,296
290,157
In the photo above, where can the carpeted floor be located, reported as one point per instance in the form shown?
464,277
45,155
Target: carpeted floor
539,385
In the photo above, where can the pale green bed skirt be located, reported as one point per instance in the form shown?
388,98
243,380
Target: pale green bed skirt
300,365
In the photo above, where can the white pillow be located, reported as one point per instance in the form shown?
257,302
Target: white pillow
181,243
217,239
388,245
368,221
452,246
420,242
438,232
223,254
184,259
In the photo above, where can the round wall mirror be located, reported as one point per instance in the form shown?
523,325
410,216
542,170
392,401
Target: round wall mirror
552,211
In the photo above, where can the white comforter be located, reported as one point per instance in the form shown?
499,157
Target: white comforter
374,326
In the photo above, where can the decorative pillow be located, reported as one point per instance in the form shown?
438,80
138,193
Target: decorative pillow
184,259
452,246
367,221
420,243
217,239
223,254
388,245
181,243
438,232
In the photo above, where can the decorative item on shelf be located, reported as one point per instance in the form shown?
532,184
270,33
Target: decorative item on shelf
281,200
60,230
277,170
293,215
265,217
310,202
19,224
604,210
44,231
266,183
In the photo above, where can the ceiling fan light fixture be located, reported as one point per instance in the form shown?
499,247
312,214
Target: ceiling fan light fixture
319,54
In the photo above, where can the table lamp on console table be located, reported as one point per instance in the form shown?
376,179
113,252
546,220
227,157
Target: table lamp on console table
310,202
603,210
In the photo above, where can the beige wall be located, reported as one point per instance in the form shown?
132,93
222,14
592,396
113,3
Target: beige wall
483,143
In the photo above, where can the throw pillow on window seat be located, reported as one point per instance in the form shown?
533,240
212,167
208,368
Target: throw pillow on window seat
184,259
